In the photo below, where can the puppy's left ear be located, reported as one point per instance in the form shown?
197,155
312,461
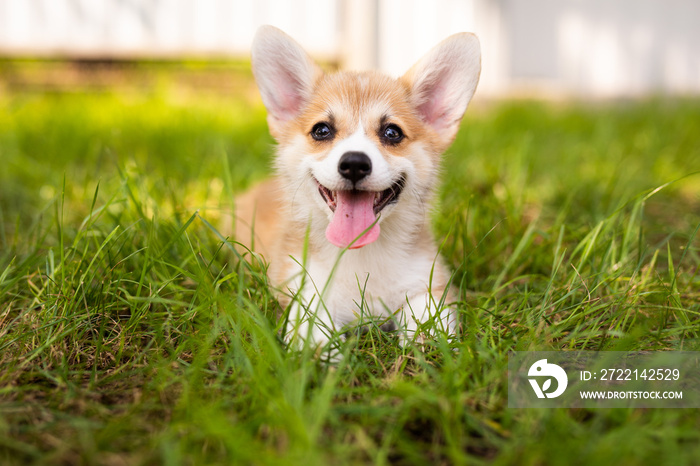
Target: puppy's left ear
443,82
285,75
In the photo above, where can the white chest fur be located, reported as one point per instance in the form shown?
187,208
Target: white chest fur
334,289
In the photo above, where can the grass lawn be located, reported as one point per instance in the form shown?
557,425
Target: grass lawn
130,335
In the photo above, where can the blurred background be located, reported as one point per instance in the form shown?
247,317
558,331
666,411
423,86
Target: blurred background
550,48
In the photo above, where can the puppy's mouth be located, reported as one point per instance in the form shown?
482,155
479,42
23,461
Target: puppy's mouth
381,198
354,223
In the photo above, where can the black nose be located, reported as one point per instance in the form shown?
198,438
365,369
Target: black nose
354,166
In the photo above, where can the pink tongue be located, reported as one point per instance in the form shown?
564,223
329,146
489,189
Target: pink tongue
354,213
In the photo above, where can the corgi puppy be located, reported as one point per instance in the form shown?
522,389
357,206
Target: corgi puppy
344,224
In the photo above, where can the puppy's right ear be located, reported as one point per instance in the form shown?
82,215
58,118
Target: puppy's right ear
443,82
285,75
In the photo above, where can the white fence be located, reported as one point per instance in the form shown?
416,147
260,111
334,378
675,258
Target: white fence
160,28
584,47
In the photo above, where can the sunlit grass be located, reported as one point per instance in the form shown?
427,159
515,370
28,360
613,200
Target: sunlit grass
130,333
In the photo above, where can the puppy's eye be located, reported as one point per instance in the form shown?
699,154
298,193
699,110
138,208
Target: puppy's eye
392,134
322,132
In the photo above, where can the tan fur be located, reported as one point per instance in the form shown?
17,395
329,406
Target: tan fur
365,97
258,211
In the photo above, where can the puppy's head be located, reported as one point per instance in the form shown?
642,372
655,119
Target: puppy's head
362,147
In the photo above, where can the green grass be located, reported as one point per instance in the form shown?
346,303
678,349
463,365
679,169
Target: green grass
129,335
